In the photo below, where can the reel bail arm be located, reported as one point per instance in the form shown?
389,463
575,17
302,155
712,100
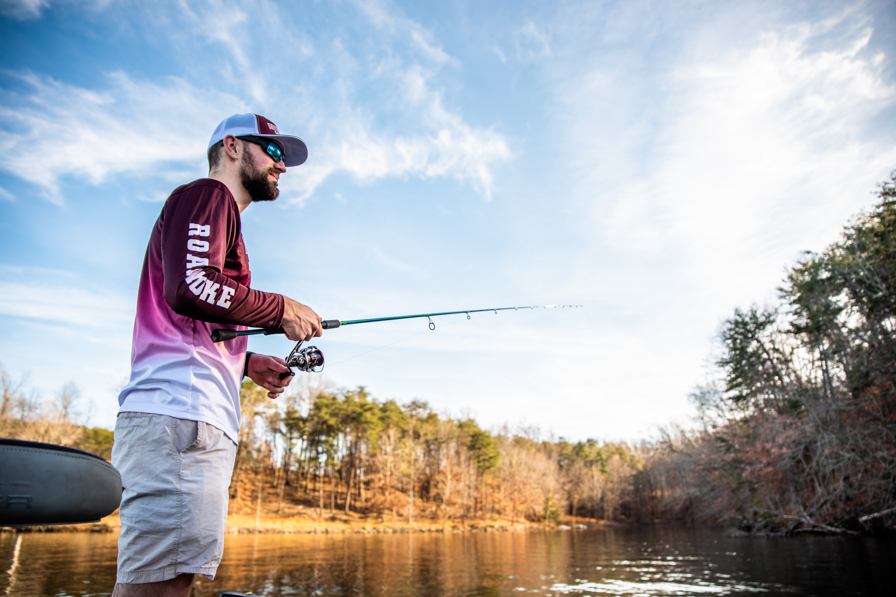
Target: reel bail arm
306,359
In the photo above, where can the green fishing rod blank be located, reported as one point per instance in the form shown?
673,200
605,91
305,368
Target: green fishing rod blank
220,335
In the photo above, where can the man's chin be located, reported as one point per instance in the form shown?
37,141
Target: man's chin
264,193
266,197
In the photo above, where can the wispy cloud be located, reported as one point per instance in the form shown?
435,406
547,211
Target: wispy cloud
128,126
730,153
755,138
532,43
23,9
65,300
387,17
131,126
451,148
235,28
26,10
425,139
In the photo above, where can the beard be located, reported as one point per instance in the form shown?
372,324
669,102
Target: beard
256,182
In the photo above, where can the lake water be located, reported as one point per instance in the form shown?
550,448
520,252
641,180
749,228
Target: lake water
607,561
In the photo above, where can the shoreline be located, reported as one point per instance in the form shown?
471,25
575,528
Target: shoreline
244,524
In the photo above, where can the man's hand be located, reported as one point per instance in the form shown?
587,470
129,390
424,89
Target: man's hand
265,371
299,321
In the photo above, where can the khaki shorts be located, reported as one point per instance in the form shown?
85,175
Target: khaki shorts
175,475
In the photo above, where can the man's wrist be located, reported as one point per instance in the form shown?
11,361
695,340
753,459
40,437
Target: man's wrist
246,365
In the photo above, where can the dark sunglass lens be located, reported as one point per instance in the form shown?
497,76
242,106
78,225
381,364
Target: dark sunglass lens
275,152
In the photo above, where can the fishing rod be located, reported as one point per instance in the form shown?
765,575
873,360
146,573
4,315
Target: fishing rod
310,357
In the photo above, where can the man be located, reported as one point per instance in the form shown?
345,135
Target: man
179,417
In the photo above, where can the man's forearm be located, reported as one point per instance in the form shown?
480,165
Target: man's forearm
209,295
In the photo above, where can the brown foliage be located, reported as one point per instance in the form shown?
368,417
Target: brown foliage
24,416
800,436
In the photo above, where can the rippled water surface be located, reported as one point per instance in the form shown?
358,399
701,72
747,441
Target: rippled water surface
614,561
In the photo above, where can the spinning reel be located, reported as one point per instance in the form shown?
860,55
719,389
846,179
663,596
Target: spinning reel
306,359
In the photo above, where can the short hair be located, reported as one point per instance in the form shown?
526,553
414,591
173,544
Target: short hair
214,155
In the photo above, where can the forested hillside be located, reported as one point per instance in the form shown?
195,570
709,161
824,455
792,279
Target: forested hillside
349,451
799,432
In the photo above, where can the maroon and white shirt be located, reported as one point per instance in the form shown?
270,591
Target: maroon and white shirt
195,279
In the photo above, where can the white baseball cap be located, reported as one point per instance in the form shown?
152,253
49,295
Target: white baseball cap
295,152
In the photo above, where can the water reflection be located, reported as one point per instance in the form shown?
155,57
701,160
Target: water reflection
58,563
616,561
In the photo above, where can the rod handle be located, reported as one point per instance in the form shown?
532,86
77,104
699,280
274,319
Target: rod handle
220,335
223,334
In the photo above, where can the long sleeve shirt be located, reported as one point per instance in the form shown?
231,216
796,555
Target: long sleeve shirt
195,279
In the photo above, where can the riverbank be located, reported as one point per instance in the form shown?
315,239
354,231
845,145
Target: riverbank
242,522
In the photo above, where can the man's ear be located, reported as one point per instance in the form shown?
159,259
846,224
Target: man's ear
232,147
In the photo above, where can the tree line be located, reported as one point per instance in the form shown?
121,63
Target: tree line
347,451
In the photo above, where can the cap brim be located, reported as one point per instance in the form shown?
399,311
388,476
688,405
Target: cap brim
295,152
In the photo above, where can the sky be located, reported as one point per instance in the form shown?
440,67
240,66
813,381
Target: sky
658,163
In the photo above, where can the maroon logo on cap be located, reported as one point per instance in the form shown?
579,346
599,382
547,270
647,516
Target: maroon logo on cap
265,126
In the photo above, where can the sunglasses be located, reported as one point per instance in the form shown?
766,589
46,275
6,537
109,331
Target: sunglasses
269,146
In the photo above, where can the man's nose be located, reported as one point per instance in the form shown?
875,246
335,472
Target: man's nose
280,166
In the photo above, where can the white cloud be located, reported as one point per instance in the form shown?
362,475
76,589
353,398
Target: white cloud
23,9
59,329
26,10
229,27
452,147
734,151
131,127
759,146
6,195
387,17
62,301
400,60
532,43
433,142
134,127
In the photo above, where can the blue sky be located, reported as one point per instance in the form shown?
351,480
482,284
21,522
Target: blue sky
659,163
